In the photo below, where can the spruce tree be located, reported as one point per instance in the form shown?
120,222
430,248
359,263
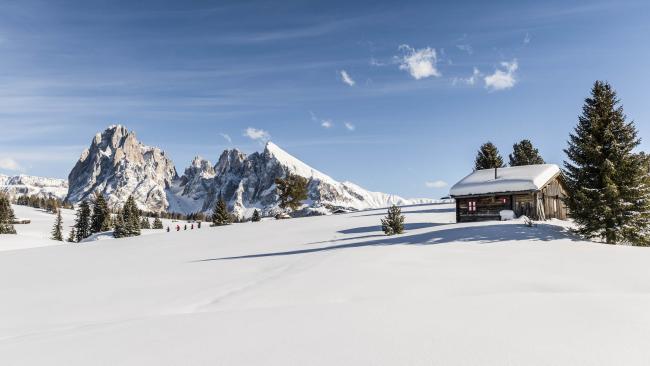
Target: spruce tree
393,223
608,182
131,217
292,190
6,216
72,236
82,225
120,230
488,157
144,224
157,223
256,216
101,218
523,153
58,227
220,214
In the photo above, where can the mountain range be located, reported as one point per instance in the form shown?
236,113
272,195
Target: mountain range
117,165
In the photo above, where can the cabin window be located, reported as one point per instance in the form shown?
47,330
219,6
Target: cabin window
554,205
471,206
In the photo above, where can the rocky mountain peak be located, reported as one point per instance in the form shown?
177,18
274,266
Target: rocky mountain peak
117,165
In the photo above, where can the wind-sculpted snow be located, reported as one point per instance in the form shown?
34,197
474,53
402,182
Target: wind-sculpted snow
330,290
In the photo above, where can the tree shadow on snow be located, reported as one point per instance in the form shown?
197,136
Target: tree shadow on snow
484,234
377,228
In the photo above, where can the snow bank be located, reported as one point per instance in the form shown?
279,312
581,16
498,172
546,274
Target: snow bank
330,290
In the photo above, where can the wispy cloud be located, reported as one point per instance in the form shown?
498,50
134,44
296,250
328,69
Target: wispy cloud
419,63
11,164
257,134
327,123
350,126
436,184
471,80
226,137
466,48
345,77
503,78
527,38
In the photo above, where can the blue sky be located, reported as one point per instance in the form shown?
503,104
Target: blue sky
394,96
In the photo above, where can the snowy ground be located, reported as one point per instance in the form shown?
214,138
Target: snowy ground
329,291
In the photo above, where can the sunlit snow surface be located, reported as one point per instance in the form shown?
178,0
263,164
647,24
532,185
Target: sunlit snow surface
329,290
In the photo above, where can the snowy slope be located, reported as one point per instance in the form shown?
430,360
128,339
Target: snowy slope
330,290
19,185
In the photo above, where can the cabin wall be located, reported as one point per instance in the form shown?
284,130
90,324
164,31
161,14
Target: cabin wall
482,208
553,195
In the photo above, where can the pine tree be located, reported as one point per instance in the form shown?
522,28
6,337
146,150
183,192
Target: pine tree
72,237
488,157
129,220
157,223
101,218
220,214
608,183
144,224
6,216
82,225
58,227
256,216
393,223
523,153
291,190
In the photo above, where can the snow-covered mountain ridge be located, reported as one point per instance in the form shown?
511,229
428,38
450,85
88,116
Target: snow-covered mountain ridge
117,165
19,185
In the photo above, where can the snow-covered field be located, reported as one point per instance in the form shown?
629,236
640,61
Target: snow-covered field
329,291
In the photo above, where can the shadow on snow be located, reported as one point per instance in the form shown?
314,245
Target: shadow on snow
483,234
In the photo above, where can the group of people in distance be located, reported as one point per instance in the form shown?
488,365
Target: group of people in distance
178,227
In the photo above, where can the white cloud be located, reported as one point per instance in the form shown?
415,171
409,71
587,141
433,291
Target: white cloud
326,123
436,184
476,74
226,137
375,62
345,77
349,126
503,79
257,135
527,38
10,164
419,63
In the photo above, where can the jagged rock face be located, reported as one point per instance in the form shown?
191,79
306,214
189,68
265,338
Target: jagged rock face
117,165
248,183
20,185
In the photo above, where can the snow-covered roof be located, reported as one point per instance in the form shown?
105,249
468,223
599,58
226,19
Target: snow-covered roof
511,179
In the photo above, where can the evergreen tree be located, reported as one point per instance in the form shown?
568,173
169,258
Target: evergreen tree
144,224
72,237
523,153
488,157
291,190
393,223
82,225
101,219
58,227
6,216
131,218
220,214
120,230
157,223
608,183
256,216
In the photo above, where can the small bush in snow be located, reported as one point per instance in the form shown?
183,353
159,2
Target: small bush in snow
394,222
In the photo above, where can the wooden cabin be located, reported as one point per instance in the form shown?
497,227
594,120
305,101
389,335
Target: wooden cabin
537,191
